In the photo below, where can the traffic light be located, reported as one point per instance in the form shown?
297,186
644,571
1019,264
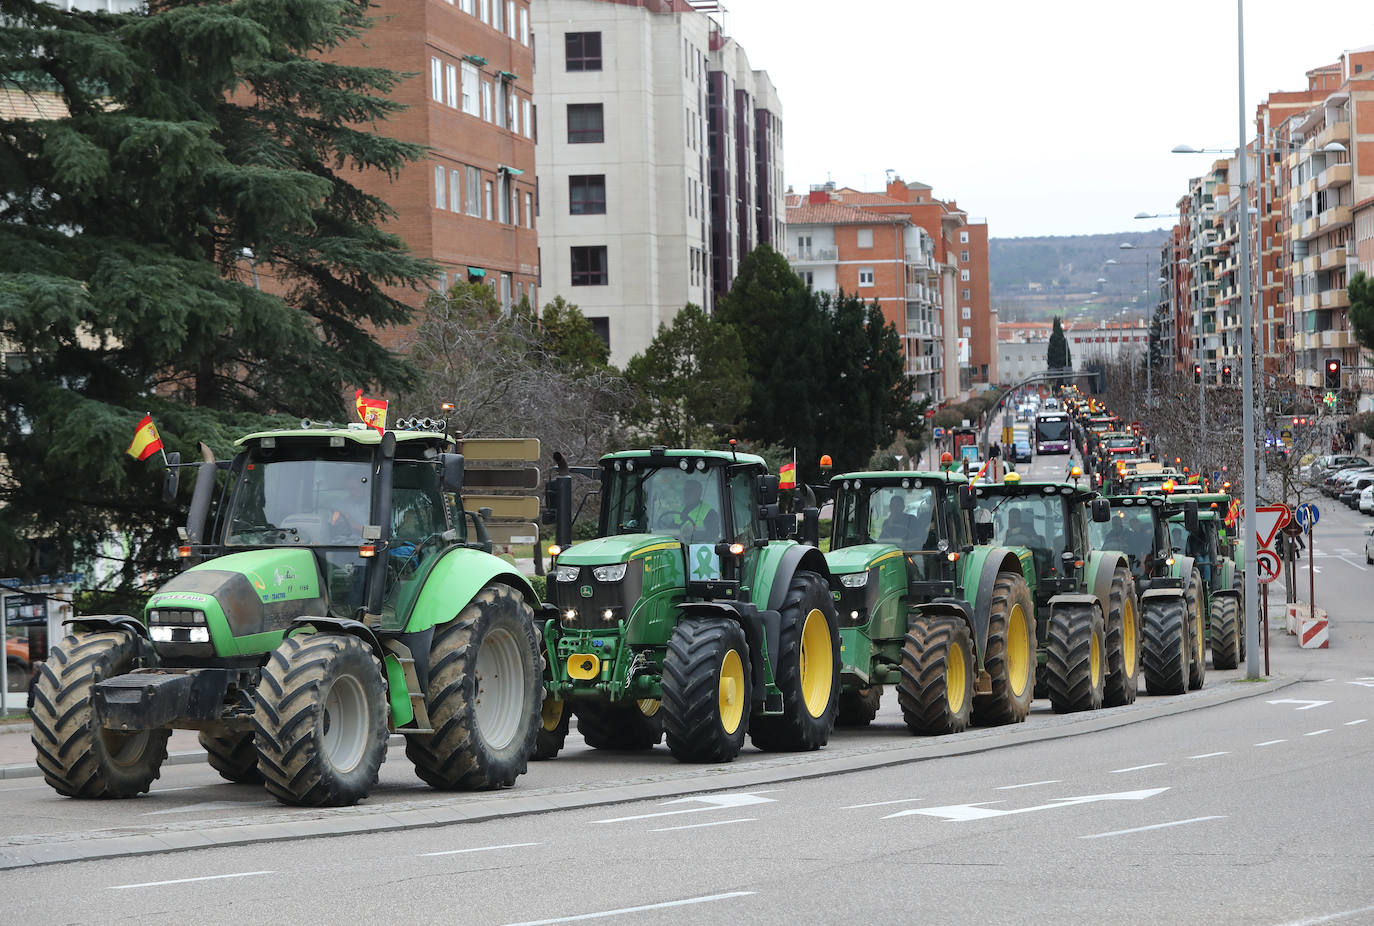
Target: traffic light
1197,373
1226,373
1333,373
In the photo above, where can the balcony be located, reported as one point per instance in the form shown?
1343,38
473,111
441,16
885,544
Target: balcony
1309,187
1335,175
1335,217
1331,258
1337,131
1335,299
811,255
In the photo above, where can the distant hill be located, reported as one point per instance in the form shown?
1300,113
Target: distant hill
1036,277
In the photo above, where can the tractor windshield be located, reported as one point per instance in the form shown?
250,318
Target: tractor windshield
294,494
1130,531
1032,521
888,514
666,499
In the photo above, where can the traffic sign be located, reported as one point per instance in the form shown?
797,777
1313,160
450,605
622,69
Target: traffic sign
1307,514
939,433
1268,520
1268,564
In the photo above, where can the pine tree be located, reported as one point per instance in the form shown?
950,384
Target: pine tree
188,153
1059,357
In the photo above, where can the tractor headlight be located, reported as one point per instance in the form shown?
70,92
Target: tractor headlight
612,573
854,580
565,574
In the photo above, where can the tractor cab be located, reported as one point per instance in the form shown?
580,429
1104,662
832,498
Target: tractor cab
1049,519
1137,528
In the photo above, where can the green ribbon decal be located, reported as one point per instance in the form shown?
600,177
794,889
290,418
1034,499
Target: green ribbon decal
703,570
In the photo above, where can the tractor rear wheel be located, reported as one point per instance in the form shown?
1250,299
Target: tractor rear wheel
706,690
484,696
233,755
1225,632
936,689
320,723
626,726
1010,655
1075,661
554,715
78,758
807,669
1123,640
1197,627
859,706
1164,645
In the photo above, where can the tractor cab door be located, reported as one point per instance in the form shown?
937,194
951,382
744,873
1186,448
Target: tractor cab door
418,523
744,525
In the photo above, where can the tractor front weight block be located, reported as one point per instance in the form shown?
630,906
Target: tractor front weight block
149,700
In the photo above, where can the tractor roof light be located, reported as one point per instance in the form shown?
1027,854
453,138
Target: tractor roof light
1168,487
1012,478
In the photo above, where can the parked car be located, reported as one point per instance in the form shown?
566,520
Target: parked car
1367,500
1337,483
1369,545
1350,495
1326,465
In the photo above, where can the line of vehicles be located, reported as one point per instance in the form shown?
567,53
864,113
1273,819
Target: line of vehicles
338,590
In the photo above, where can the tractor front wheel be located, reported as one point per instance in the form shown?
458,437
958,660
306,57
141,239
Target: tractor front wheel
1194,597
859,706
1075,658
1226,633
706,690
554,715
807,669
1164,645
1123,640
233,755
1010,656
936,688
626,726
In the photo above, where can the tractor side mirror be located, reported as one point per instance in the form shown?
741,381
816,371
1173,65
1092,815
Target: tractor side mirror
1190,518
966,498
453,471
172,478
768,489
1101,510
982,532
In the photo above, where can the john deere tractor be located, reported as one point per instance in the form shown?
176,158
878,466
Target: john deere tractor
1089,638
1218,556
335,596
1172,653
950,623
691,613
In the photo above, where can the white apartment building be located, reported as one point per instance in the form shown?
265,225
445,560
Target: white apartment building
658,155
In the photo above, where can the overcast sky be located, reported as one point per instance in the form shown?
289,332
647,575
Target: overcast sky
1052,117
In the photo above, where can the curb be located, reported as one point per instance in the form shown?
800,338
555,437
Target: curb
23,852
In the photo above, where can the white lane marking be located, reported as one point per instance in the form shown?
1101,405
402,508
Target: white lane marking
652,906
1136,768
1029,784
241,874
712,802
1330,917
511,845
1359,566
1306,705
1317,732
170,790
962,813
1351,723
1362,682
1270,742
905,800
697,826
1211,755
1156,826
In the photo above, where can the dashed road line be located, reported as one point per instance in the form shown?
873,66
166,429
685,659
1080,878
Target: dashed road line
1029,784
1136,768
1211,755
240,874
623,910
512,845
905,800
1156,826
1331,917
697,826
1351,723
1270,742
1317,732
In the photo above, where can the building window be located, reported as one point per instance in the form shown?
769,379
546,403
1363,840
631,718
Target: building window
583,51
524,27
474,200
587,194
504,203
963,256
963,237
485,7
865,276
529,210
455,191
466,6
865,238
963,275
470,81
966,331
439,184
510,19
505,292
589,266
965,294
436,79
586,124
486,100
966,313
513,107
486,193
525,120
808,277
502,90
451,85
498,20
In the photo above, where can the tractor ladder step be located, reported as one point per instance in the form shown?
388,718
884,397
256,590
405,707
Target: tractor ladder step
417,697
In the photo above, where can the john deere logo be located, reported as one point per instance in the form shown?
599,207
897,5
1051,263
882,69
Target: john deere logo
586,591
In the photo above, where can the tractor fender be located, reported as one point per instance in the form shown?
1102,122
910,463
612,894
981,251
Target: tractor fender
1076,600
397,696
1152,595
1102,566
1228,573
775,572
1183,568
338,625
124,622
1226,593
987,563
947,607
758,626
455,580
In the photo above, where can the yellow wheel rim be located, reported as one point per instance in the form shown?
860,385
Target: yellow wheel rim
730,699
1128,630
1018,650
817,663
956,676
1199,644
1095,659
551,714
649,706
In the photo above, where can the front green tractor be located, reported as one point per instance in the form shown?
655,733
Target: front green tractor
333,598
1085,599
1218,557
949,623
692,614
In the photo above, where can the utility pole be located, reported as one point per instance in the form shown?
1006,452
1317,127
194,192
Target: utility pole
1247,531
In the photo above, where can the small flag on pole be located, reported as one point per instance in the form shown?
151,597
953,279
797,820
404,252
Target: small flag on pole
371,411
146,440
787,476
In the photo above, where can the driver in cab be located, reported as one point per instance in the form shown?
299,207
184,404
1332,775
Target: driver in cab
698,521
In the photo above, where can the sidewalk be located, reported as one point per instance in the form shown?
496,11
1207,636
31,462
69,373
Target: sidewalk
18,756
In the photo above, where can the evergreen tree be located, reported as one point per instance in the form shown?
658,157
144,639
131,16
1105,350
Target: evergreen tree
197,151
1059,357
1360,289
570,338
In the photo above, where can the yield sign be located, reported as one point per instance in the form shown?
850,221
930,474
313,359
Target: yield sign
1268,520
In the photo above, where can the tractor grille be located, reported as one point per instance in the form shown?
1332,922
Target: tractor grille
608,603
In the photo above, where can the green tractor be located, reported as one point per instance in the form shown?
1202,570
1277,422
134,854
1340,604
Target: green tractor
1172,653
1219,558
692,613
336,598
1085,599
949,623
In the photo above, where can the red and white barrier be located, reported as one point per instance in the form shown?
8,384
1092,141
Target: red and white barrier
1314,630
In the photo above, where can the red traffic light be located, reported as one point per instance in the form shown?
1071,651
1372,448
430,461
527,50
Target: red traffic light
1333,365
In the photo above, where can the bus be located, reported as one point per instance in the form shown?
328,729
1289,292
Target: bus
1052,433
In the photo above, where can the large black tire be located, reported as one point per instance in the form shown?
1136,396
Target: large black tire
706,690
1010,655
626,726
78,758
1225,632
806,668
1123,640
1164,645
233,755
554,715
936,688
484,698
1075,659
320,724
858,706
1197,636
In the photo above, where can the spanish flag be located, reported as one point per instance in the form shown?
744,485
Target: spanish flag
371,411
787,476
146,440
1194,479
